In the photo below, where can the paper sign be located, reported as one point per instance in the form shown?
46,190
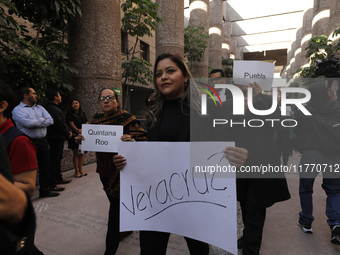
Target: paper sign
245,72
176,188
102,138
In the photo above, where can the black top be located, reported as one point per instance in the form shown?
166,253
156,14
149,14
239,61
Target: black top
76,118
59,130
170,122
172,125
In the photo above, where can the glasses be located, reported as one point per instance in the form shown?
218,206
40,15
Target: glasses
108,98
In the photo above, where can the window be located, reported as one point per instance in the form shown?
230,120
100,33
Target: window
144,51
124,42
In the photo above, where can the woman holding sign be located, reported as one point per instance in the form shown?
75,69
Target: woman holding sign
169,120
109,174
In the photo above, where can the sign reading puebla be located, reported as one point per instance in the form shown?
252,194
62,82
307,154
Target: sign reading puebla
245,72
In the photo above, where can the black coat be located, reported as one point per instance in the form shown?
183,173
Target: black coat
59,130
306,129
262,150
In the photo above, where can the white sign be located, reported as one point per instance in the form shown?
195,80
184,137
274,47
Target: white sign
102,138
179,187
245,72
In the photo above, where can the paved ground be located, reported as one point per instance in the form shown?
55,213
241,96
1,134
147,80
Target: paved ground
75,223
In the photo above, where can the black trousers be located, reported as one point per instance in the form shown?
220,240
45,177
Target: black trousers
43,157
56,155
155,243
253,219
112,234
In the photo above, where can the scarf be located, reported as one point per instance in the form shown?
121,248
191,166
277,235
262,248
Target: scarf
131,127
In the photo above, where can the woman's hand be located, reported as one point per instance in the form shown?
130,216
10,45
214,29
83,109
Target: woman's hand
79,138
127,138
119,161
236,156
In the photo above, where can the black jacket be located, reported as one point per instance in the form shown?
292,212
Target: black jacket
59,130
306,130
262,150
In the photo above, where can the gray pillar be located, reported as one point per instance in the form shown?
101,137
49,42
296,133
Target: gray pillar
170,33
321,17
215,31
297,49
334,19
290,56
306,35
226,39
94,49
199,17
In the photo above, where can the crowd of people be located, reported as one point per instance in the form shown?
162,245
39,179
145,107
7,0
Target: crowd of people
40,133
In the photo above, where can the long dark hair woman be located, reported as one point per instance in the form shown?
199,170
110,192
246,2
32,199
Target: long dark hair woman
169,120
75,117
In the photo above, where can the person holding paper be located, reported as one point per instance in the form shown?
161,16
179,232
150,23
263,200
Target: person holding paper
108,172
169,120
256,190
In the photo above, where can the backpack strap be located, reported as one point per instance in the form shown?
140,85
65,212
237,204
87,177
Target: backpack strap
10,135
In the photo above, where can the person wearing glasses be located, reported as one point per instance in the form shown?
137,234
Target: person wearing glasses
108,172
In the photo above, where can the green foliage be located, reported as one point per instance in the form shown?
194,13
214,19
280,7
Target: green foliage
306,72
319,47
228,64
140,18
54,12
138,71
195,43
42,61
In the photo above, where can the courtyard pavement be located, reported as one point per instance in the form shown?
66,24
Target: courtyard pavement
74,223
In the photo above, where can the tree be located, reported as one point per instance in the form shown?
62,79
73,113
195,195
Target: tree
42,61
140,17
320,51
195,43
228,64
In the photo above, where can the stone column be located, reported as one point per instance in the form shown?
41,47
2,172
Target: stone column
95,50
334,23
306,35
334,19
215,32
321,17
226,38
289,59
199,17
297,50
234,49
170,33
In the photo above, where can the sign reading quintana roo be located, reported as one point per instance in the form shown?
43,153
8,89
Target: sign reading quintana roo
245,72
102,138
176,188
